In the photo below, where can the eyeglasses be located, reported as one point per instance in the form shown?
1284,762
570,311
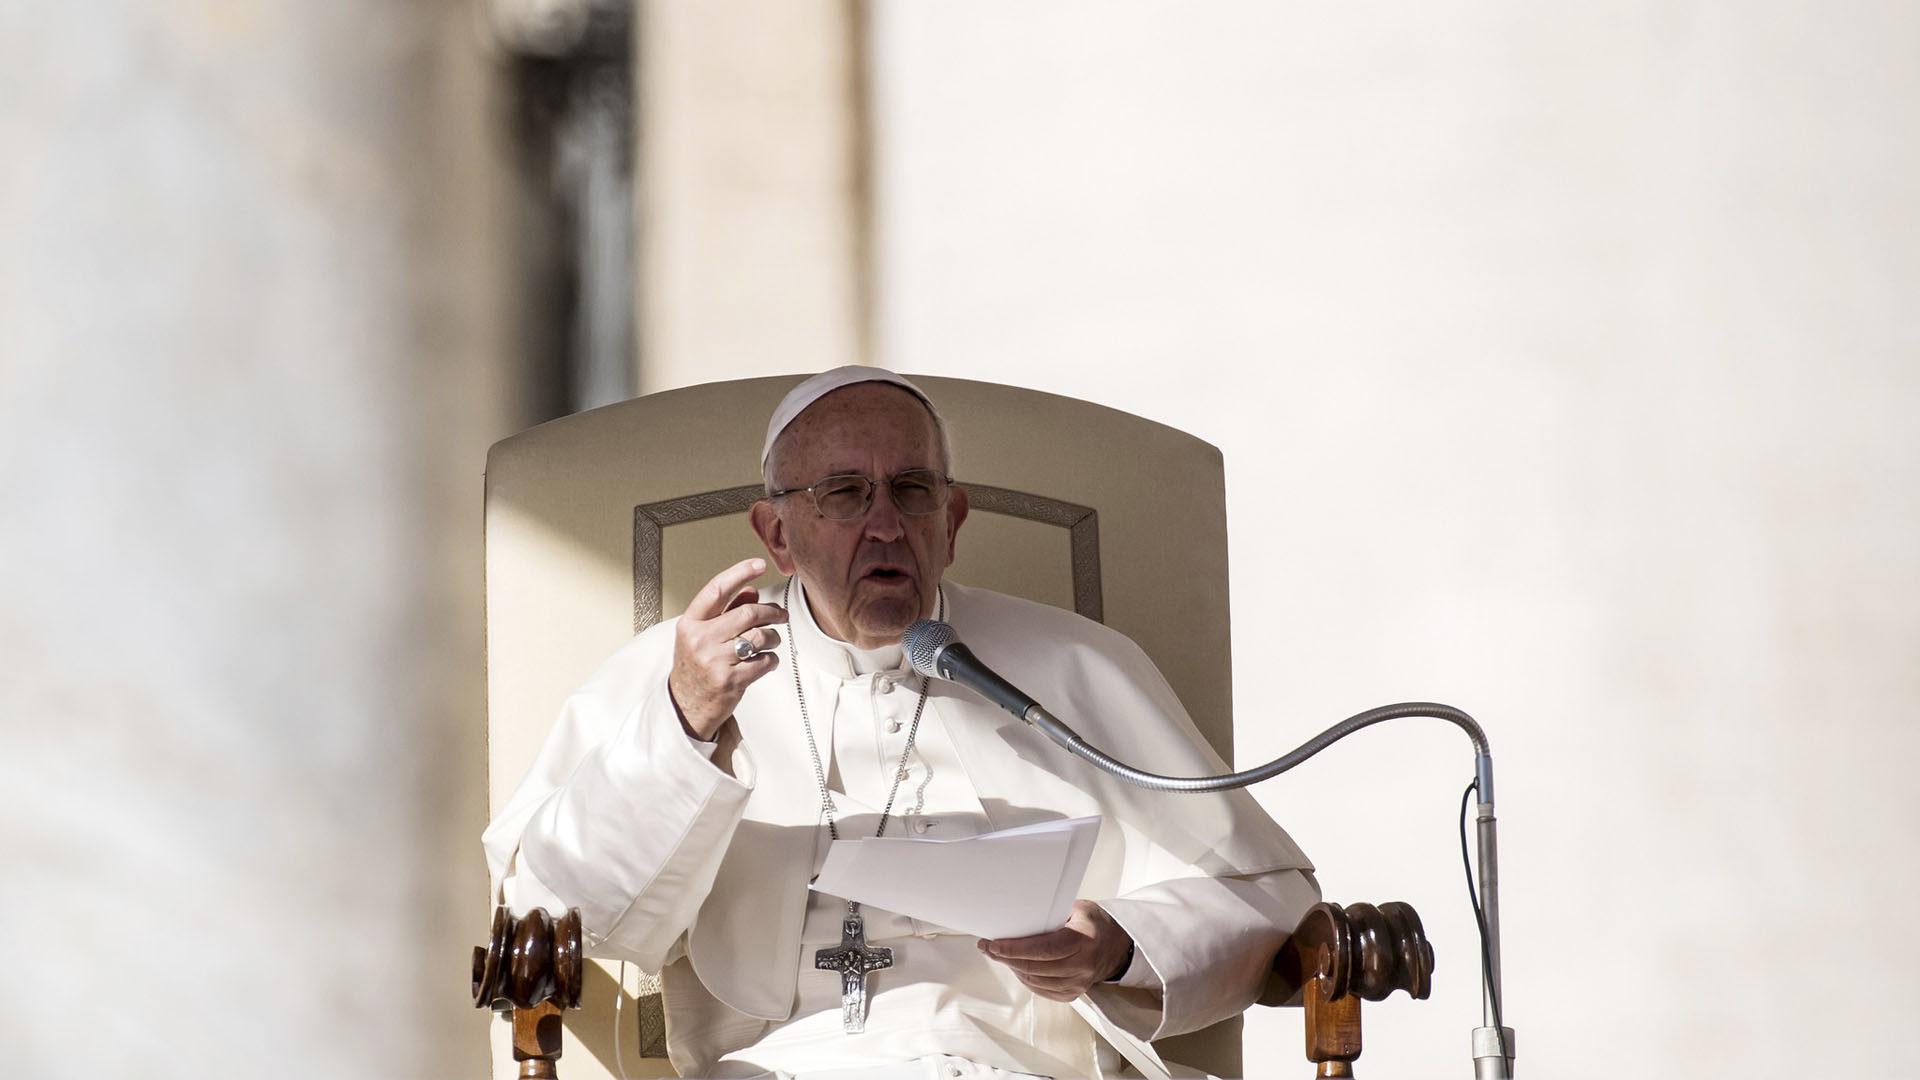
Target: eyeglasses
843,498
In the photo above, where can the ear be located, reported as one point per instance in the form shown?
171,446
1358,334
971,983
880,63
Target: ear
772,532
956,514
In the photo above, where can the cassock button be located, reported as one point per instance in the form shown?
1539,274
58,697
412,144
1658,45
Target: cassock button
893,726
883,685
922,825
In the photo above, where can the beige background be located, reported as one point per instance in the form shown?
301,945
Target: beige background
1561,359
1564,361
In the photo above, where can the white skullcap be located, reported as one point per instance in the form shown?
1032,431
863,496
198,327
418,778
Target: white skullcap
819,386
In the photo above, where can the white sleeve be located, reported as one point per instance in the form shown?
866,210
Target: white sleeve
631,831
1202,948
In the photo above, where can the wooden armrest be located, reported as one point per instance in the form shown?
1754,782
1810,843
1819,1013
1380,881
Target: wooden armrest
1335,957
535,967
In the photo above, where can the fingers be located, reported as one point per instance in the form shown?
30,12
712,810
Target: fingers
1063,964
1053,989
1052,945
719,594
1061,978
709,675
744,672
1070,966
736,621
763,640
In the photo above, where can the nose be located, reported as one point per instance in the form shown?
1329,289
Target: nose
883,515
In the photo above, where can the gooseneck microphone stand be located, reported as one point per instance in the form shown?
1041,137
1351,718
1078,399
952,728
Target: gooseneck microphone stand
933,651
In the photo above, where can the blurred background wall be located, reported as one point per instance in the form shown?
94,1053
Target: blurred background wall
1561,360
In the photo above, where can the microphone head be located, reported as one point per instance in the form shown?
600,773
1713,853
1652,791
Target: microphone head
923,641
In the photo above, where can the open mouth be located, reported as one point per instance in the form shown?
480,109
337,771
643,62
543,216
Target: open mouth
886,573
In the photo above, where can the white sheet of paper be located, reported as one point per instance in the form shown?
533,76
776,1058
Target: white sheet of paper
1004,884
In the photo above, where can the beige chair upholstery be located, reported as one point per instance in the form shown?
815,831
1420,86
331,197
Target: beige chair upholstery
600,524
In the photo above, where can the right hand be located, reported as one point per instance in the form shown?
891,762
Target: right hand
708,680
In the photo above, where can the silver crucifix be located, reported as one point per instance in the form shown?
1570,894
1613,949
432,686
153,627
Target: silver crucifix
852,958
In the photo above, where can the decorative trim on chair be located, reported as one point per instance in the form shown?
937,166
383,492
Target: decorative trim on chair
1083,536
651,519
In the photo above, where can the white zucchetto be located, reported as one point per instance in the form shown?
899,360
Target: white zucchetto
819,386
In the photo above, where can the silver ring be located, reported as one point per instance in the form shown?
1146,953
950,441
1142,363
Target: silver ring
744,650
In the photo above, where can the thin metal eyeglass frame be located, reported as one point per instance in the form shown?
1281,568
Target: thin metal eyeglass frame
872,486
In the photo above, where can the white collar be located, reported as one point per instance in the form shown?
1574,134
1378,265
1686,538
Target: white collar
831,656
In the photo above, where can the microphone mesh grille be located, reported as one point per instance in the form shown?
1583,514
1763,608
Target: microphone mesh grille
923,642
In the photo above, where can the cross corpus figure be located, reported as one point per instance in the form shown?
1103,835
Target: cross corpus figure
853,958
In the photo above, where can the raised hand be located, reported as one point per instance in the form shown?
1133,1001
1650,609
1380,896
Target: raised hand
708,676
1062,964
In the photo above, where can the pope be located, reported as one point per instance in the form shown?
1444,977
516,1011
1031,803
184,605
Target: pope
688,791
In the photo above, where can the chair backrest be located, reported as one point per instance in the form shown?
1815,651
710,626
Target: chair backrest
602,523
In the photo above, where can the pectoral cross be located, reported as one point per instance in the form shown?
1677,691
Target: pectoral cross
852,958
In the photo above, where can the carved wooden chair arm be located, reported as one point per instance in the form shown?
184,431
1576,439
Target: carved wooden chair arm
534,966
1339,955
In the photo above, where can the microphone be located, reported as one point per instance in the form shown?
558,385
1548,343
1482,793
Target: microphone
933,651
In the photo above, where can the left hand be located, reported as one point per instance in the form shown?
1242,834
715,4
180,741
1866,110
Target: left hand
1062,964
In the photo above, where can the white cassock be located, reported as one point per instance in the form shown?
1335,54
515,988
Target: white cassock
695,861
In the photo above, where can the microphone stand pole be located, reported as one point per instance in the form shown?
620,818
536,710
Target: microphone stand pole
1492,1042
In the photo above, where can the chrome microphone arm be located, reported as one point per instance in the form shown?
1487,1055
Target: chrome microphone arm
1070,740
934,651
1492,1043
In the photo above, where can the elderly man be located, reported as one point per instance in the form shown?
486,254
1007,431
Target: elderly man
688,792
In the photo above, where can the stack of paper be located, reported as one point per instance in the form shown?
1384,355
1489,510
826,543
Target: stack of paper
1005,884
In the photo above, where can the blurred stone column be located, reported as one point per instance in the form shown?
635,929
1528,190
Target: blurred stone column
753,208
568,68
251,355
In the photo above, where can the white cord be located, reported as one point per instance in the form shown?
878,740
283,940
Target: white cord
619,1000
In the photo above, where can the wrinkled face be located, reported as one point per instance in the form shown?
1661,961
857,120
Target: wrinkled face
868,578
